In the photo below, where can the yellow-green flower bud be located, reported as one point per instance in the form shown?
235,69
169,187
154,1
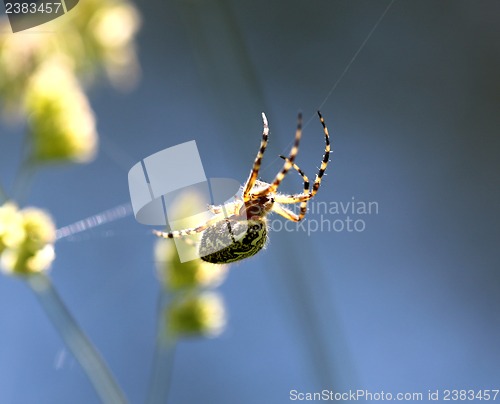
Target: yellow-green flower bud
113,28
61,121
19,55
35,252
194,315
191,274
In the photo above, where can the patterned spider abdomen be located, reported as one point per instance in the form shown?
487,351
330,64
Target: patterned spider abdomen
233,240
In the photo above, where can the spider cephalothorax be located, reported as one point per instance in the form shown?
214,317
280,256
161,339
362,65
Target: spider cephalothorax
238,229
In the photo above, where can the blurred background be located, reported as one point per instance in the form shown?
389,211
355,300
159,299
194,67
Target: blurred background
409,304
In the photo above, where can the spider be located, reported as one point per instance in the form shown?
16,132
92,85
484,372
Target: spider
239,229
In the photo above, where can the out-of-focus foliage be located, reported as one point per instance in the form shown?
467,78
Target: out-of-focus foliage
96,34
26,240
62,125
197,314
111,26
177,276
42,73
191,274
191,310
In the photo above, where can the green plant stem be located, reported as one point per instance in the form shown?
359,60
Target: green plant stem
3,195
24,180
163,358
78,343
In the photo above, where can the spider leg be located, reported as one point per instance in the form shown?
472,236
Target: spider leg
296,198
317,182
286,213
303,205
288,162
189,242
191,231
258,160
215,208
228,209
326,158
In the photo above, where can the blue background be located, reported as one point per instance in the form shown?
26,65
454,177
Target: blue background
410,304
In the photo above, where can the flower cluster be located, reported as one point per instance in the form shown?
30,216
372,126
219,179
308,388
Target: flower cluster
62,124
42,75
27,239
196,314
194,309
42,82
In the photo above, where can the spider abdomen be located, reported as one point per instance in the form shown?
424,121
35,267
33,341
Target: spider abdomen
233,240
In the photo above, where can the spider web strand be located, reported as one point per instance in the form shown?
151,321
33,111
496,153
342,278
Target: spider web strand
348,66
